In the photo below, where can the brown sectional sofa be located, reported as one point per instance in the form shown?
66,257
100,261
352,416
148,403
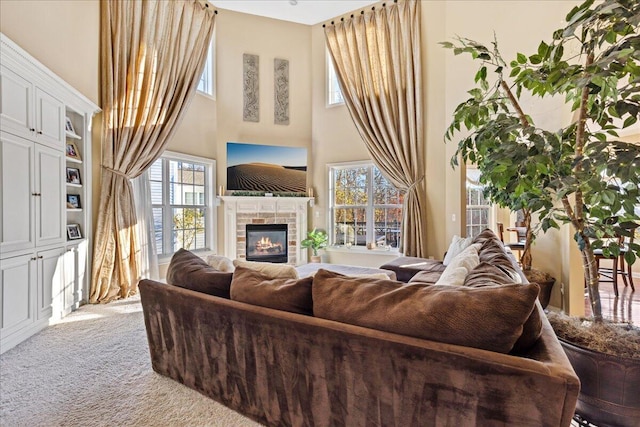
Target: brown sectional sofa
297,365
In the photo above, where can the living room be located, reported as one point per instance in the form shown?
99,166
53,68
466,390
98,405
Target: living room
64,36
54,31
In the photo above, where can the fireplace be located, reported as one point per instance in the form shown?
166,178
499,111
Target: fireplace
267,242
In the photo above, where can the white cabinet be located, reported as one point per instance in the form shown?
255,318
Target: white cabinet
30,111
32,202
50,200
50,266
17,208
44,272
18,278
30,292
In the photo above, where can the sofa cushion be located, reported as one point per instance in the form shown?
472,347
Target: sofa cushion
189,271
254,287
489,318
486,274
426,277
269,269
407,267
458,244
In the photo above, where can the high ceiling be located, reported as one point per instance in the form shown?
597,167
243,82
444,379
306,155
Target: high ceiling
308,12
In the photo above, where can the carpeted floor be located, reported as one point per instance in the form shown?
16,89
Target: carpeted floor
93,369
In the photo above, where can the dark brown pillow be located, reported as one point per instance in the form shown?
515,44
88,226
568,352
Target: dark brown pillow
489,318
486,274
189,271
254,287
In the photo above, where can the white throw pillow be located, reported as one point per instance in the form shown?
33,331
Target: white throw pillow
453,276
220,263
458,244
269,269
460,266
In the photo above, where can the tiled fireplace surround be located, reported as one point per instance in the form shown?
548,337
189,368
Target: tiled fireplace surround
240,211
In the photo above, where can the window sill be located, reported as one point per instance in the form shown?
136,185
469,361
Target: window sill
361,250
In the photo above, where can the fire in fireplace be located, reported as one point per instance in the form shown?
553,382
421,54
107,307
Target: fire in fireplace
267,242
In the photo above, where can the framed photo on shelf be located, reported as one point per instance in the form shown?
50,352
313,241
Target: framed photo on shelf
73,176
68,126
73,231
72,150
73,201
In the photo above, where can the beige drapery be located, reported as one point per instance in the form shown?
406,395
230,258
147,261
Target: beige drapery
378,63
152,56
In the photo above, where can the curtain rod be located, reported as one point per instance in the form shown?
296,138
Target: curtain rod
361,13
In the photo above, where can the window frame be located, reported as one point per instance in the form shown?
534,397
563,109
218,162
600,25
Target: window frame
369,208
210,203
209,71
490,207
329,82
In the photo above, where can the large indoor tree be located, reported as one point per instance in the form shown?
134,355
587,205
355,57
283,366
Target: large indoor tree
584,173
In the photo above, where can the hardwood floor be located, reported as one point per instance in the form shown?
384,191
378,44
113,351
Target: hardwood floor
624,308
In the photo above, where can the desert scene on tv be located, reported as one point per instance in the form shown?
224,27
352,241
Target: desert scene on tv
268,168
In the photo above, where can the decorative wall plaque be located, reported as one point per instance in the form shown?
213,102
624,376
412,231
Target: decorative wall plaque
281,91
250,83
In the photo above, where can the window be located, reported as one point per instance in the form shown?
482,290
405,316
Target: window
364,206
182,198
478,208
334,93
206,84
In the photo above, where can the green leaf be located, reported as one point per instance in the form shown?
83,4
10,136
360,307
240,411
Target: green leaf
535,59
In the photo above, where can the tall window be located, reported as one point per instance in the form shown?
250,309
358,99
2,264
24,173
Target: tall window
364,206
206,84
478,208
182,198
334,93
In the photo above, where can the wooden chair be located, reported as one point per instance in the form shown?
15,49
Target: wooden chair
618,266
514,246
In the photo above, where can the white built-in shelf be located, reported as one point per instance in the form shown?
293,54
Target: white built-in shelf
72,135
70,184
74,209
72,160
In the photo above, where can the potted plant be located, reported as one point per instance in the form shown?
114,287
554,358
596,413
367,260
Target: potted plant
316,240
582,174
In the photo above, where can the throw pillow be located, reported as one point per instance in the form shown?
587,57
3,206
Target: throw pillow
486,274
220,262
269,269
458,244
466,260
489,318
189,271
254,287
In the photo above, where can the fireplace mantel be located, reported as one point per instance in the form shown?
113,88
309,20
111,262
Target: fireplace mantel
240,210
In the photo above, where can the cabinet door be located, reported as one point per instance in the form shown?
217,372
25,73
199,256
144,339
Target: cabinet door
16,103
70,280
51,199
49,119
50,282
17,283
17,199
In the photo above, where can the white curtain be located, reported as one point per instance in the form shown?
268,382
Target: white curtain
146,236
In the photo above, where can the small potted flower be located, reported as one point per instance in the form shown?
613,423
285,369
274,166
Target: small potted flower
316,240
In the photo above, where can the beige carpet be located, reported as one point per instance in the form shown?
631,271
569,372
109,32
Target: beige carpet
93,369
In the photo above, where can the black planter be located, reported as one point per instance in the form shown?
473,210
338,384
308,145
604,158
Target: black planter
609,387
